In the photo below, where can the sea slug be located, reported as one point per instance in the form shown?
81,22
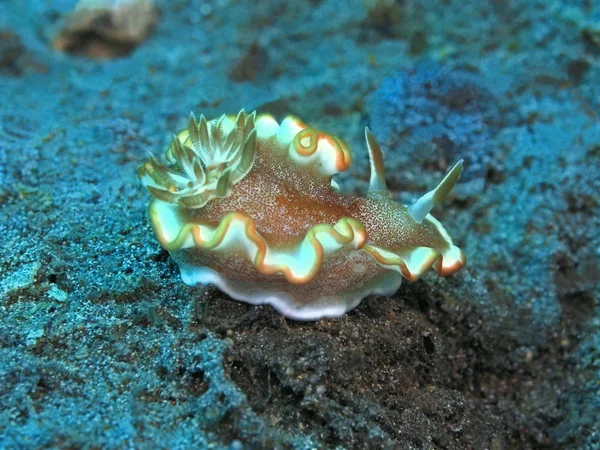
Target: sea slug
249,205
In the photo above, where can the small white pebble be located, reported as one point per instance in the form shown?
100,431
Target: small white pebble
206,9
57,294
33,336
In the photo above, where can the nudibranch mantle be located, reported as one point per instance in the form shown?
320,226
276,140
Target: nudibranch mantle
249,205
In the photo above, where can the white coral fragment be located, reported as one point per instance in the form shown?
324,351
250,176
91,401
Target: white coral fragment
106,28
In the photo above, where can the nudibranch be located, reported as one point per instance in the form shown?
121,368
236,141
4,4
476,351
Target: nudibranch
249,205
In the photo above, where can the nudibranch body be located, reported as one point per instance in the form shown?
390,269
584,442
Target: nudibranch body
249,205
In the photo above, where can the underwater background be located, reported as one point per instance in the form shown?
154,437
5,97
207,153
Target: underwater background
103,346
